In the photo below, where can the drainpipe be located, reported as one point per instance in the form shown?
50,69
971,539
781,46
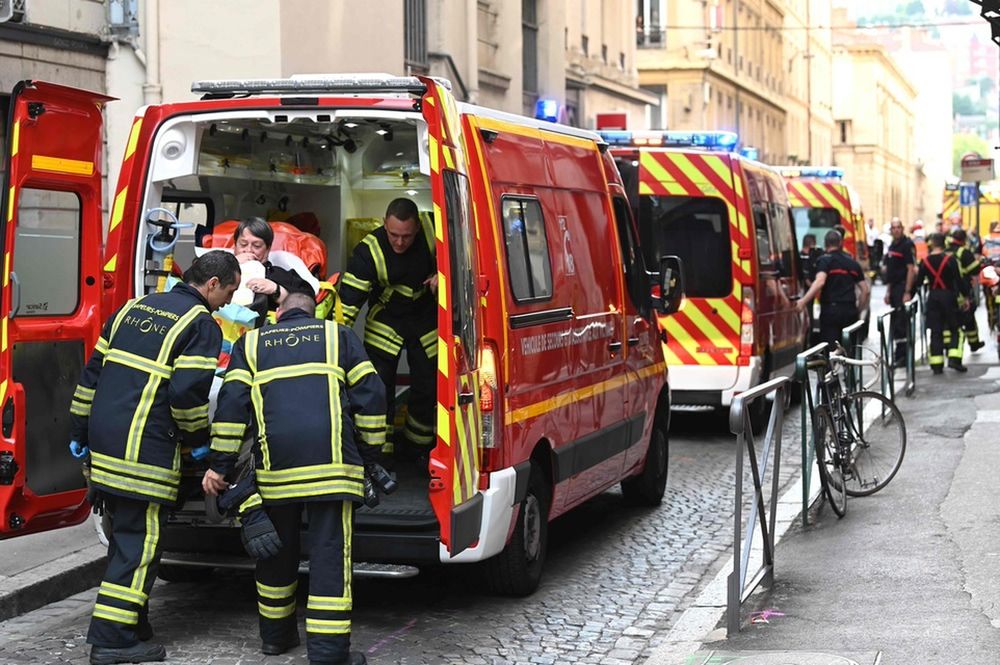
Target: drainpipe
472,48
152,90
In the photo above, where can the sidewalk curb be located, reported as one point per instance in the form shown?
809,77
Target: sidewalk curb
53,581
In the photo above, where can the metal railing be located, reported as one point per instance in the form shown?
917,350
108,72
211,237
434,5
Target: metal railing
739,588
806,406
887,343
850,339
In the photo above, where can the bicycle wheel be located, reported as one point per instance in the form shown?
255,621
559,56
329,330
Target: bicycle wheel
831,474
878,436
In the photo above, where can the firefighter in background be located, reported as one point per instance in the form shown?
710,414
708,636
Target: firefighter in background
969,266
145,387
900,271
941,273
394,270
842,287
308,384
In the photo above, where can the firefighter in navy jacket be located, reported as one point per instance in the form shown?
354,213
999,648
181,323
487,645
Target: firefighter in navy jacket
943,276
143,391
312,398
394,270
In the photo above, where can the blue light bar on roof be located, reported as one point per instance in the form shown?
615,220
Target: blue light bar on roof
710,140
812,172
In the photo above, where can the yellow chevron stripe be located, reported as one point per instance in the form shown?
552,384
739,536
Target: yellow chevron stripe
111,264
443,424
651,165
433,150
684,163
681,336
118,210
714,335
728,314
133,139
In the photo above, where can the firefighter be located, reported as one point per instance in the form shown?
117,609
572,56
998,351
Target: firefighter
941,273
144,390
900,271
842,287
969,266
308,385
394,270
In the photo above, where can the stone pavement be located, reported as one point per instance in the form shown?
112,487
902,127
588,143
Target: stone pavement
910,575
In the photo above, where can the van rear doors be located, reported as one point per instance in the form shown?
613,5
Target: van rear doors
50,314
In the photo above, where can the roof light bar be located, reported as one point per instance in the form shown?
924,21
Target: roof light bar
710,140
812,172
363,83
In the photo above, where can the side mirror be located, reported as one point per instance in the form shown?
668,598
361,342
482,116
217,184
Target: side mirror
669,289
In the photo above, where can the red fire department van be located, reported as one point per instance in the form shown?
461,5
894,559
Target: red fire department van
727,218
821,199
551,384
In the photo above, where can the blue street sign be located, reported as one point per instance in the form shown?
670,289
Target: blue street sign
967,195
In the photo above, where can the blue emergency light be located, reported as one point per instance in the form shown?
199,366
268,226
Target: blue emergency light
711,140
547,109
813,172
749,153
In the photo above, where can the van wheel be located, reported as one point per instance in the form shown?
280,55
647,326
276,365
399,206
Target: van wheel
181,574
517,569
648,487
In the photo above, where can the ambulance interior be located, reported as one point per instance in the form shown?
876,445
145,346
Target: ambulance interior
328,175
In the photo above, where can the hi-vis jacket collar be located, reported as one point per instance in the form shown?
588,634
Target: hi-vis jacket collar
187,288
296,313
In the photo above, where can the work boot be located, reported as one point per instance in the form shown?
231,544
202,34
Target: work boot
937,369
144,631
975,346
956,364
355,658
278,648
143,652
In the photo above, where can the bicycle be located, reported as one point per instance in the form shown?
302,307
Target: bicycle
860,436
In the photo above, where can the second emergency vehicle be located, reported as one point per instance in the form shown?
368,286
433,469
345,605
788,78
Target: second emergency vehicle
727,218
551,384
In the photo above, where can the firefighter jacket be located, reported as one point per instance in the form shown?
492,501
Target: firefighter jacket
399,303
941,273
146,388
969,264
317,406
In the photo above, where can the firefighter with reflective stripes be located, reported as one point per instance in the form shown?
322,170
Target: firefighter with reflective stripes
842,287
394,270
144,390
900,271
969,266
318,407
940,271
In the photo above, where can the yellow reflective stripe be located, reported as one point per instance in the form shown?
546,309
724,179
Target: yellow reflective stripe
269,612
359,371
328,626
220,428
122,593
429,340
142,487
138,362
148,471
109,613
101,346
314,489
190,414
379,343
349,279
149,546
84,394
80,408
373,438
316,471
295,371
192,425
377,256
196,362
383,330
227,446
276,592
347,529
121,315
251,341
240,375
332,332
365,421
252,502
330,604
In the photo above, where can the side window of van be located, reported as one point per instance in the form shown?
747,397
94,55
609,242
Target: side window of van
463,281
527,249
784,240
635,270
765,250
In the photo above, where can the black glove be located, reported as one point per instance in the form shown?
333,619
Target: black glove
377,478
260,540
96,500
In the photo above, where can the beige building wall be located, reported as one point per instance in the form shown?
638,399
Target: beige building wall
875,131
808,61
717,77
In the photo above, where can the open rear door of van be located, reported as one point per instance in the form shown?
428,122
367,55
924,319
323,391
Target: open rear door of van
455,460
50,299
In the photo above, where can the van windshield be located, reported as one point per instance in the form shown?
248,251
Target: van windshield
696,229
816,221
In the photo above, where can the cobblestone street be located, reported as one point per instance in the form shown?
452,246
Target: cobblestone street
615,579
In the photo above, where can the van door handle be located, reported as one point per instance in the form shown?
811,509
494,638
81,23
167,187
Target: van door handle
466,398
15,297
614,347
633,341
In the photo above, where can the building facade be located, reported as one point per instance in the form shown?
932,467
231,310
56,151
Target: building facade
874,135
808,58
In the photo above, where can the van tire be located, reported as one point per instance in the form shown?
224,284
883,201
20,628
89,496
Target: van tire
648,488
181,574
517,569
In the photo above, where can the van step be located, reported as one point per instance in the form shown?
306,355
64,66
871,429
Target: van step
692,408
361,568
397,571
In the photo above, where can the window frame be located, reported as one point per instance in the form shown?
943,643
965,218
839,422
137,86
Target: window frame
463,291
523,199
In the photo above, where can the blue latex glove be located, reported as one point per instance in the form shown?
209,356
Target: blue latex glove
78,451
200,453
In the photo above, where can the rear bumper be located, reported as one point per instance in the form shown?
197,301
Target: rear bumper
498,511
702,385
